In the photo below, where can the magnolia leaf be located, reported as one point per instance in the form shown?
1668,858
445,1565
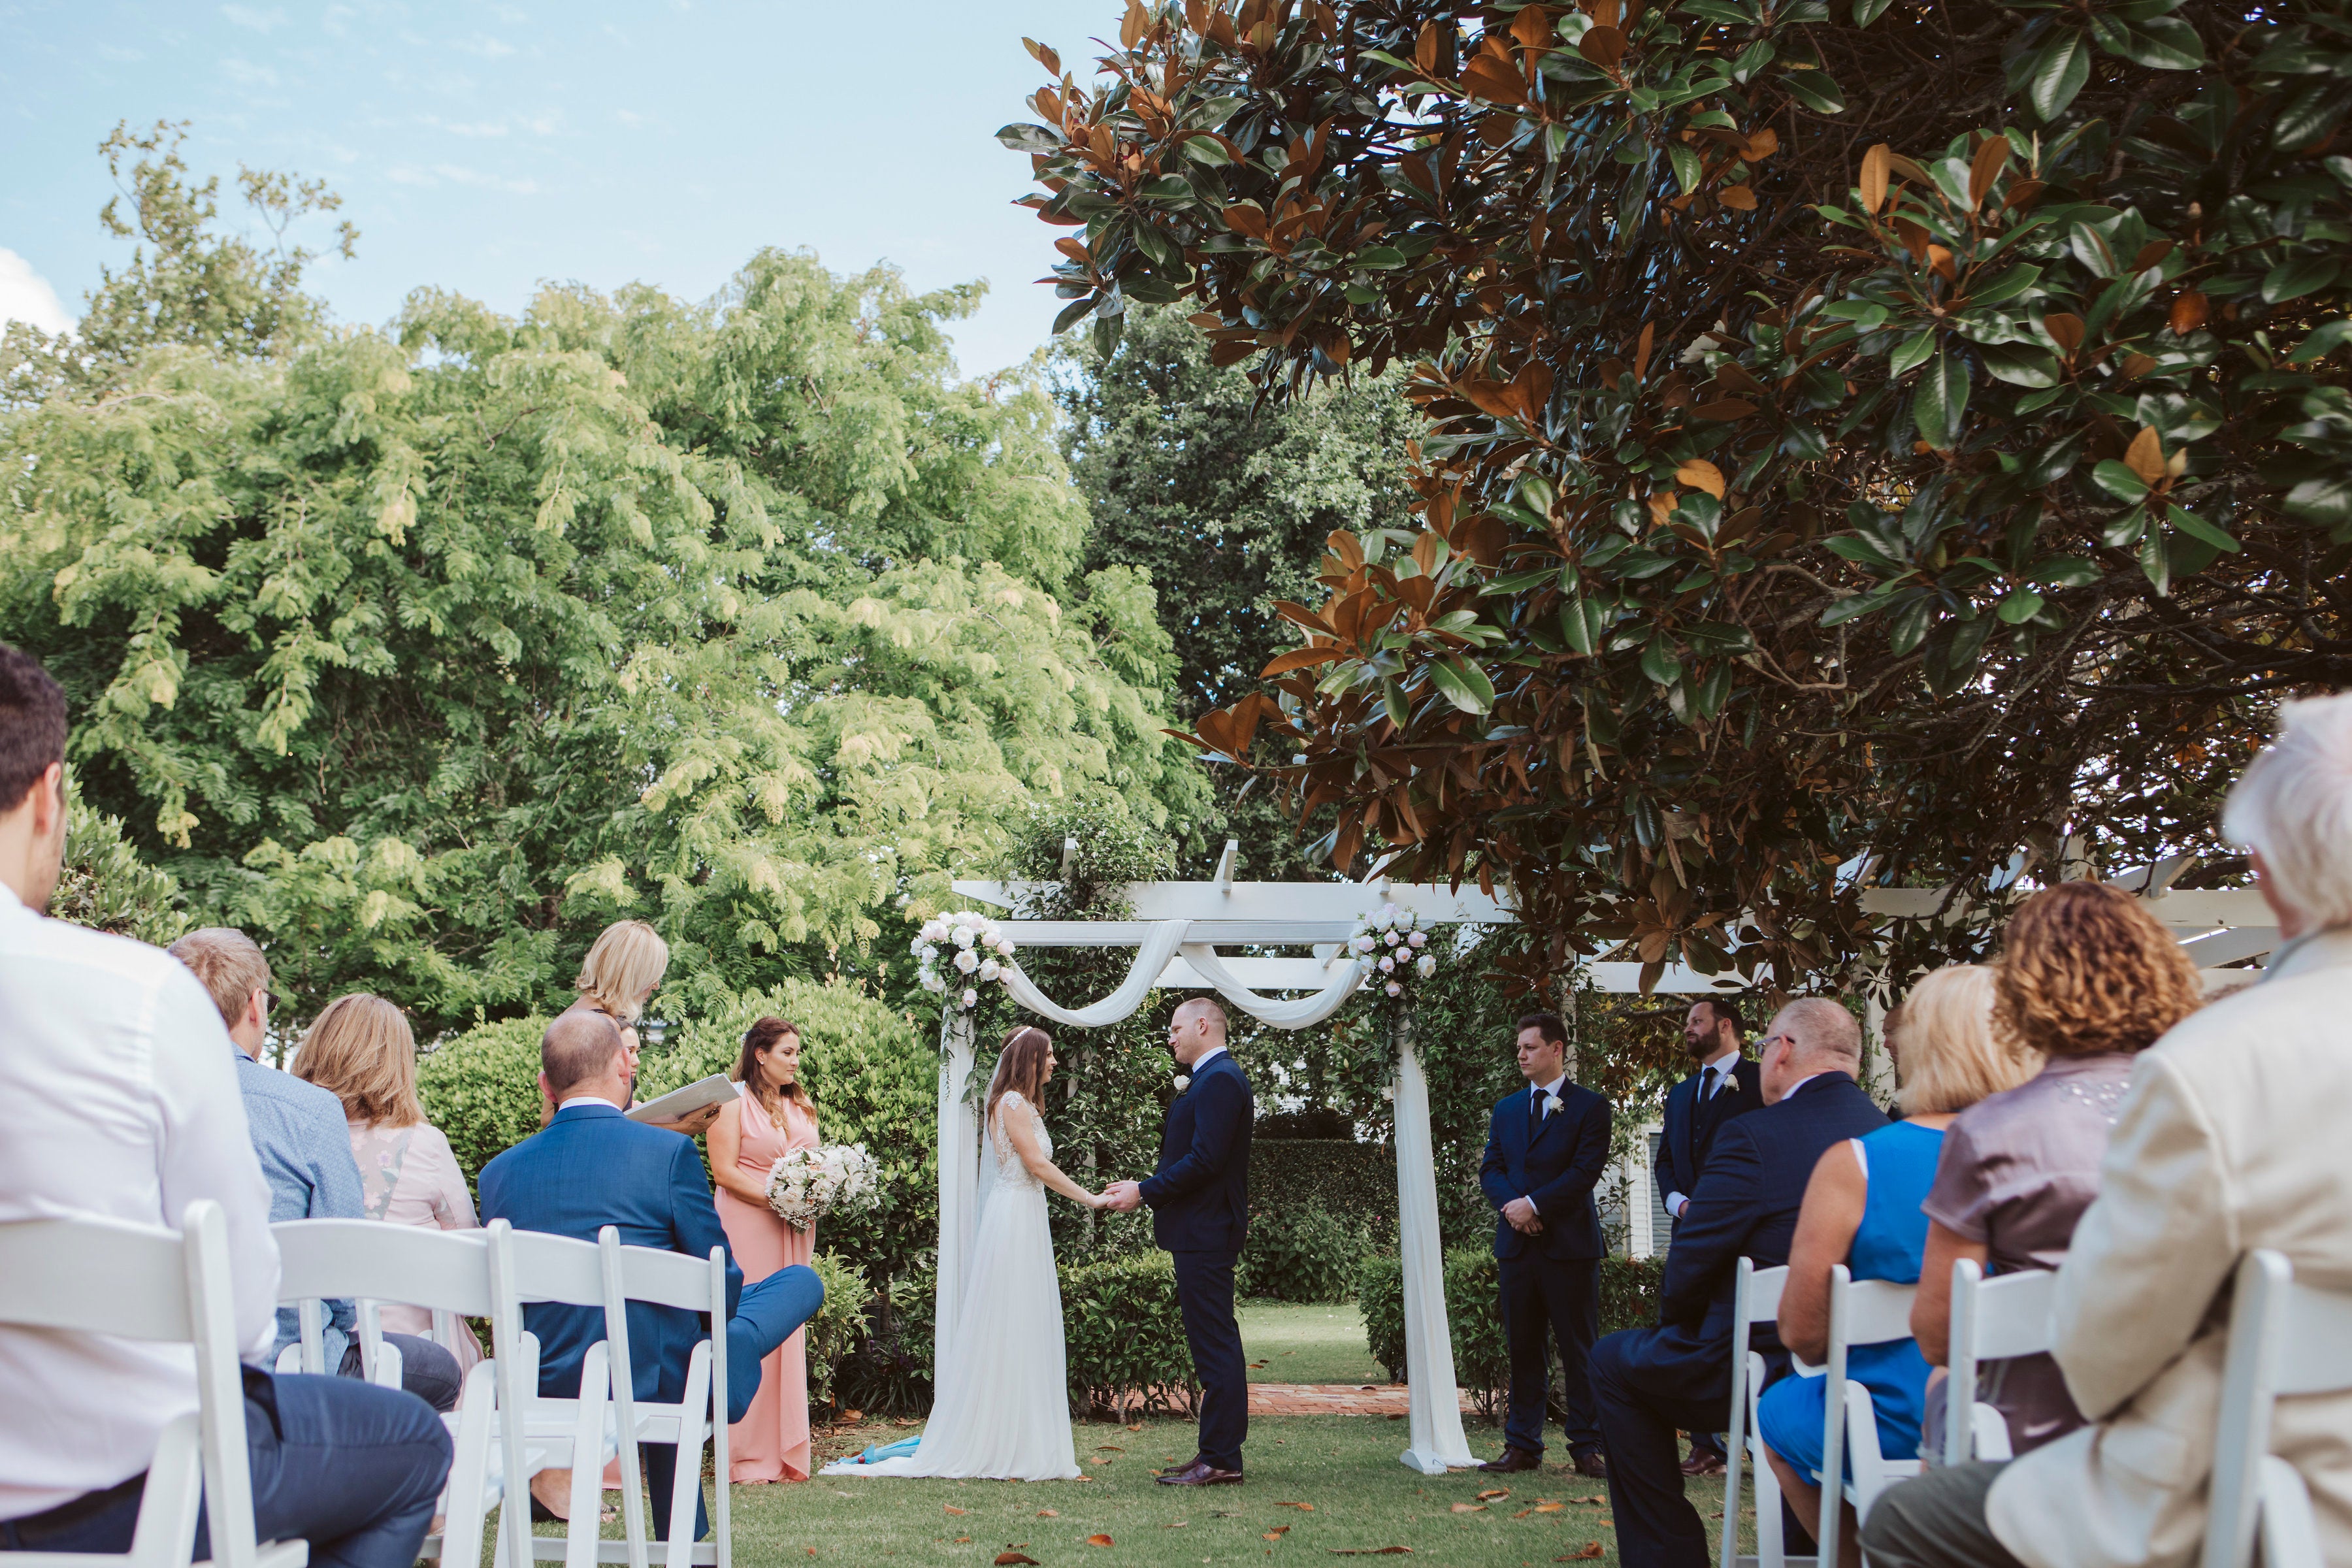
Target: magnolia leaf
1463,683
2119,481
2196,527
1941,400
2058,73
1816,89
1701,475
2019,364
2020,605
2299,275
1031,139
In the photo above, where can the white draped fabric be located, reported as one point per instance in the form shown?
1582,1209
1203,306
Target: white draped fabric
1346,975
1141,976
1436,1407
959,1171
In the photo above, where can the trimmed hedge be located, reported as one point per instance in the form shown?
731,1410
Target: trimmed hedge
1124,1335
838,1324
482,1089
1355,1181
1629,1299
1306,1255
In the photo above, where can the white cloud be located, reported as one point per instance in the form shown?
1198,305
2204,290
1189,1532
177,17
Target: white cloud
245,73
119,55
259,21
482,44
26,296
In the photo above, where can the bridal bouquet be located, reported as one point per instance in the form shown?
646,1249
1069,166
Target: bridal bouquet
807,1184
1394,941
976,954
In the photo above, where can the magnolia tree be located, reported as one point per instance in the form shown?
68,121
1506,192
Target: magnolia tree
1889,428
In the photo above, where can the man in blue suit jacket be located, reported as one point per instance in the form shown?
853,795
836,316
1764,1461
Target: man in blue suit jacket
1723,1084
591,1167
1199,1213
1546,1147
1651,1382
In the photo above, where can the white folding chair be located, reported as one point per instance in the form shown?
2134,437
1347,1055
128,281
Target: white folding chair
448,1272
536,1432
141,1282
1991,1319
1861,1312
700,1416
2285,1339
1756,1299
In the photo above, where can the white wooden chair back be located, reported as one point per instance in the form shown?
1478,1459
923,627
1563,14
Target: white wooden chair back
1861,1312
2286,1339
1991,1319
446,1272
1756,1299
143,1282
536,1432
695,1285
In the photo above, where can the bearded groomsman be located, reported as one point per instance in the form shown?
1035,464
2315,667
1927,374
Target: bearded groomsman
1545,1148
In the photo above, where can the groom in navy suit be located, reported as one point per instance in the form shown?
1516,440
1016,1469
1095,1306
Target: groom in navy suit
1545,1148
591,1167
1200,1212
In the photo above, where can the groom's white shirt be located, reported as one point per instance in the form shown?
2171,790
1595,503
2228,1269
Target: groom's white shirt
1203,1059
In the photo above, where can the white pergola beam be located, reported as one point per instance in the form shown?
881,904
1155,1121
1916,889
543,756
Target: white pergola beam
1340,904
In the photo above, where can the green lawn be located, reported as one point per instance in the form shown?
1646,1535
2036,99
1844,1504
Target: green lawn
1344,1466
1315,1344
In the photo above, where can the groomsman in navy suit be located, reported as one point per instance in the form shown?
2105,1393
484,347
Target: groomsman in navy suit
1545,1148
1723,1084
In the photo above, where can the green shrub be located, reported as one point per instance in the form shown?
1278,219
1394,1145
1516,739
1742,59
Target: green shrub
1124,1334
1306,1254
838,1324
482,1089
889,1370
1629,1299
1355,1181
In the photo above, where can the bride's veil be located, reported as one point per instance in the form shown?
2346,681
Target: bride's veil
988,1142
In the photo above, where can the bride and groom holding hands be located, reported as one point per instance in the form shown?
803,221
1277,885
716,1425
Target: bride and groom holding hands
1001,1407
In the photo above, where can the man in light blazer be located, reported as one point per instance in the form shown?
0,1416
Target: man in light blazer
2231,1138
1546,1147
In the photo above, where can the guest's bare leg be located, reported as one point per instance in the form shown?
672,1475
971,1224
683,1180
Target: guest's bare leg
553,1490
1805,1502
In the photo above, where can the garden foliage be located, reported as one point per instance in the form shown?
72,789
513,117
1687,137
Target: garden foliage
1482,1363
1299,1250
1862,427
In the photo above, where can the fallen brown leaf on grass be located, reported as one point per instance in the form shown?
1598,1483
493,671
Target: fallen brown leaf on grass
1469,1508
1491,1496
1370,1551
1137,1428
1098,1540
1049,1513
852,1416
1302,1506
1591,1549
952,1508
1276,1533
963,1541
1523,1513
1542,1506
1006,1559
1111,1447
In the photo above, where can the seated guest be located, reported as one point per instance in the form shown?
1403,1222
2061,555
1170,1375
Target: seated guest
2231,1139
359,1050
305,1152
1546,1147
117,1102
1862,1209
1651,1383
591,1167
2086,980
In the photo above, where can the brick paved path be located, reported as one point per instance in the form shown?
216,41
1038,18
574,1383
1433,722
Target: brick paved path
1331,1399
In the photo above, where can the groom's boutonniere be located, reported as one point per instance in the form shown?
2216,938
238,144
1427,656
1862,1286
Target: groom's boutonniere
1183,1082
1552,1102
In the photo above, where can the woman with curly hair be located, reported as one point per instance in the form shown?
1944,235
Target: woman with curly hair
2086,980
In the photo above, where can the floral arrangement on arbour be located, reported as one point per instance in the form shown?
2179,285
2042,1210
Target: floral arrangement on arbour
1394,941
807,1184
980,954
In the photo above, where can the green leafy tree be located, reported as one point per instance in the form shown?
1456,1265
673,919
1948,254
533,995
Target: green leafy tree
107,887
1912,431
423,654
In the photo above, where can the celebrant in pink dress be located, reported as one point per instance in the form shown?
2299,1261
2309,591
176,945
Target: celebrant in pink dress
772,1112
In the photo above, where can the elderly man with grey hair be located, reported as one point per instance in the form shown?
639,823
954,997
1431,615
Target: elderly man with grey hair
1651,1383
2230,1139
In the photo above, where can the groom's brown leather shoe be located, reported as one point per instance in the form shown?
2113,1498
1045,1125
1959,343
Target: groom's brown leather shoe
1200,1473
1512,1462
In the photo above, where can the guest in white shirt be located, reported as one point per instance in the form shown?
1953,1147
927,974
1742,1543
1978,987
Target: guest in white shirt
118,1101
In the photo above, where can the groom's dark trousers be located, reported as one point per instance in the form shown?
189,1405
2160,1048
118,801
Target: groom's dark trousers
1550,1281
1199,1213
1649,1382
592,1167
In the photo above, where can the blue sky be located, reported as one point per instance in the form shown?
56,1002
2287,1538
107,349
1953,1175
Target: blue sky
486,147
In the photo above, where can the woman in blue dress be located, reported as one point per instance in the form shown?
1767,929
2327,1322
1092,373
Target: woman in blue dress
1862,1209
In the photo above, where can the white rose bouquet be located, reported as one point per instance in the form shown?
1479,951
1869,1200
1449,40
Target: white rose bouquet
976,953
1394,941
807,1184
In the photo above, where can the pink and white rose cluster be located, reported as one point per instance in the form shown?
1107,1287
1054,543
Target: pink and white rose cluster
807,1184
956,954
1396,941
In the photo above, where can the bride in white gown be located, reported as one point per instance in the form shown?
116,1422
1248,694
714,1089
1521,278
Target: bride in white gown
1001,1408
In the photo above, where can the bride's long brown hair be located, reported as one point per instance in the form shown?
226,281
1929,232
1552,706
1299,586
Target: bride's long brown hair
1021,1069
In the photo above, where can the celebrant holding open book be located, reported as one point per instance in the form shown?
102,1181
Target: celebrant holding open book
771,1113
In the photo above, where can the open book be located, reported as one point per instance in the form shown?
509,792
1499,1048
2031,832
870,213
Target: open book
681,1103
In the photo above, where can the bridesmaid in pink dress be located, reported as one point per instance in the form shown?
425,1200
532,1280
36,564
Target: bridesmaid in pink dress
771,1113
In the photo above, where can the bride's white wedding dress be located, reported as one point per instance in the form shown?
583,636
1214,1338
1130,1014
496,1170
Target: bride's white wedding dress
1001,1404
